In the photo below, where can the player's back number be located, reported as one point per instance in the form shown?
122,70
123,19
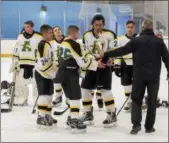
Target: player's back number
63,53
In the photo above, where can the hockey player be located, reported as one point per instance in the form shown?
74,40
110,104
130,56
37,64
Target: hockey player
102,78
23,63
124,65
45,72
58,37
71,57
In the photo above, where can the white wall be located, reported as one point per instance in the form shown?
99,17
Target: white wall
7,46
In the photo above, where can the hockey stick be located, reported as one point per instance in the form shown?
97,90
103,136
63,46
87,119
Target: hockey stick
61,112
122,106
34,110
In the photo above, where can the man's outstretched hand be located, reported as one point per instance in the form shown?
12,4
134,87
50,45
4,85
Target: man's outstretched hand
100,64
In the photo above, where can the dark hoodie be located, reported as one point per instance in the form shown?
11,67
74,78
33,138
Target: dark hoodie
148,50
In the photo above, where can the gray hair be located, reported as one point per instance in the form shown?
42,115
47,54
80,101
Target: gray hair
147,24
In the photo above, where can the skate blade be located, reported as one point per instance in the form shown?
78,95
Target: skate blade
76,131
54,124
111,125
88,123
44,127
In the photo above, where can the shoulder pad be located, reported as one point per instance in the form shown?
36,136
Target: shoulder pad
109,31
121,37
37,34
87,32
52,41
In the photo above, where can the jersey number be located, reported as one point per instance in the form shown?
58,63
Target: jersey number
64,53
26,46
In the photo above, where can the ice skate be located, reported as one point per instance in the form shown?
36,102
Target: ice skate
43,123
127,108
135,130
87,117
51,120
111,120
57,102
77,126
68,123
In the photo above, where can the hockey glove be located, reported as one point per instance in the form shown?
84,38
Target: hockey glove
14,67
118,70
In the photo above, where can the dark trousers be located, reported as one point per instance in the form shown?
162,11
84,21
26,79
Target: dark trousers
69,80
137,96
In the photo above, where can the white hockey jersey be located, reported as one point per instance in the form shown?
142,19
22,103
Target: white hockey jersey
45,64
121,41
24,50
106,38
70,49
55,47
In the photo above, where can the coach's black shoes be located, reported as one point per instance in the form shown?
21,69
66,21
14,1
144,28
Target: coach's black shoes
150,130
135,130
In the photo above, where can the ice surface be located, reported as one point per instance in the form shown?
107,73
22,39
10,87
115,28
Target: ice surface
20,125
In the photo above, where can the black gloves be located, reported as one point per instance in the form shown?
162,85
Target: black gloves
118,70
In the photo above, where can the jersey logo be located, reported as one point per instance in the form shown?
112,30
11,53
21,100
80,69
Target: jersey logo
97,46
26,46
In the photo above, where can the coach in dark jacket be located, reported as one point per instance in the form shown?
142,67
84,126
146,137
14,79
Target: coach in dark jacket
147,52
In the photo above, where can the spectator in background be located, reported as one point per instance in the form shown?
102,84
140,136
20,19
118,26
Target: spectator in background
58,36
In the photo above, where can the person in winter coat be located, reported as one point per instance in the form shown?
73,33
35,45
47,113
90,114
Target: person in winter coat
147,50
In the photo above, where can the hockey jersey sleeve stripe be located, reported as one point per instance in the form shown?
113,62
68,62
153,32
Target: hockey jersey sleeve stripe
89,64
46,65
16,56
27,59
45,51
47,68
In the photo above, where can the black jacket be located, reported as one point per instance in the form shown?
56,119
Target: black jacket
147,51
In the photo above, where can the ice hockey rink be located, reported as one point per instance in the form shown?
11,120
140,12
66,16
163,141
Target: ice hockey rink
20,124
